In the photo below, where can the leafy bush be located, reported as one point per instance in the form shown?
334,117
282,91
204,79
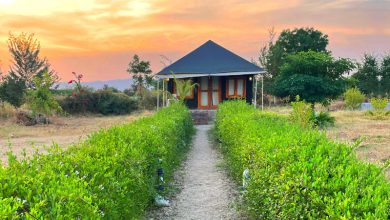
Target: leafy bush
353,98
379,104
298,173
302,113
13,90
102,101
147,100
324,119
40,98
379,112
112,175
6,110
108,102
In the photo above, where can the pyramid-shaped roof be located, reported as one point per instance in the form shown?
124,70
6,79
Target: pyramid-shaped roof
211,59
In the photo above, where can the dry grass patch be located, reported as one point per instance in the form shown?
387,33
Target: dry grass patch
64,131
352,125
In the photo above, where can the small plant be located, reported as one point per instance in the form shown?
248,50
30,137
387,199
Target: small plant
6,110
353,98
324,119
40,98
78,88
184,88
379,104
379,112
302,113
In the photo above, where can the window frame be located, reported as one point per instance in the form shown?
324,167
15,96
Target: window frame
235,87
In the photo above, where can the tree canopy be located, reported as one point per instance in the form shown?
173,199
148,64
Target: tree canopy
140,72
373,75
274,53
26,61
314,76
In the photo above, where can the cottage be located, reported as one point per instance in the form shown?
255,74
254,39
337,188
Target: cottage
219,74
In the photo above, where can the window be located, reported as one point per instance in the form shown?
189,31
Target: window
235,87
189,95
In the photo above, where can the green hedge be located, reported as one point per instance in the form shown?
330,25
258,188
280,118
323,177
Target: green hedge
112,175
298,173
106,102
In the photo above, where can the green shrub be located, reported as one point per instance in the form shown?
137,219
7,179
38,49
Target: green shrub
112,175
324,119
298,173
302,113
108,102
104,102
40,98
6,110
379,104
147,99
13,90
353,98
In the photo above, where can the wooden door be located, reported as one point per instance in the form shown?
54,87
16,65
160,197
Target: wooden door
209,95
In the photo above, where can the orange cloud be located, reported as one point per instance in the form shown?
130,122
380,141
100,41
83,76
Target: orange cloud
99,37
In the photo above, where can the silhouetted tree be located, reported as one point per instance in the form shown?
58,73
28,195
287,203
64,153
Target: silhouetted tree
25,51
141,73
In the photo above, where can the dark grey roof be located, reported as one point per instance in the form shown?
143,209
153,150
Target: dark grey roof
210,58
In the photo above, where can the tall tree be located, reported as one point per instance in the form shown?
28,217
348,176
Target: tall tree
385,73
27,63
141,73
273,54
368,75
315,76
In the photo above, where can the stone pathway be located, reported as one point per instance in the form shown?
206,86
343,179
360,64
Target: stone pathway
206,192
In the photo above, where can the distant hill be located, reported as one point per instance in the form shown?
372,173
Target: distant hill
120,84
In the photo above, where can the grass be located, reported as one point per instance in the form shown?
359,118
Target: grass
64,131
352,125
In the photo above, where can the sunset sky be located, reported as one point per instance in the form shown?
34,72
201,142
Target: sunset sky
99,37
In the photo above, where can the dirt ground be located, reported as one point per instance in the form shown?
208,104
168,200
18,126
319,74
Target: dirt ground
352,125
206,191
64,131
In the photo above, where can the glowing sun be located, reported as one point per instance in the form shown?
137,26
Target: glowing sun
6,2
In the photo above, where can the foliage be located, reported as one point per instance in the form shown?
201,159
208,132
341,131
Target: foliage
385,74
183,88
147,100
112,175
103,101
13,90
353,98
140,72
298,173
314,76
40,98
302,113
374,76
25,51
273,54
379,104
324,119
107,102
78,88
6,110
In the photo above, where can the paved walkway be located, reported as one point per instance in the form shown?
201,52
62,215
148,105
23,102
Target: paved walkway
206,192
